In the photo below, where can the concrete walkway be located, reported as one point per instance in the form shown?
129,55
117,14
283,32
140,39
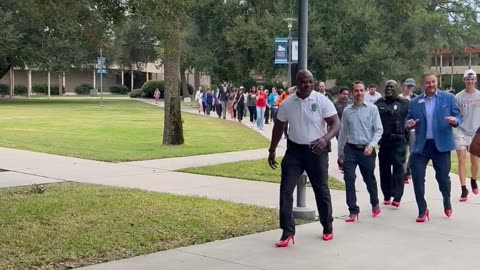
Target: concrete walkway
391,241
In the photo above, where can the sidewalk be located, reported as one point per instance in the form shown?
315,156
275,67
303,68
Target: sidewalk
391,241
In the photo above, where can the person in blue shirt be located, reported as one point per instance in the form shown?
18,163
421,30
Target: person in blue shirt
432,114
272,99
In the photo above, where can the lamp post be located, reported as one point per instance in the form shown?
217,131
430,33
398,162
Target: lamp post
290,25
302,211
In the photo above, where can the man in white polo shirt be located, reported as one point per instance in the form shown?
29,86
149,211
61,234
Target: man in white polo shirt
306,112
468,101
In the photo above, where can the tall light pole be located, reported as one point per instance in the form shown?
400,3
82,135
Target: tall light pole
290,25
302,211
302,34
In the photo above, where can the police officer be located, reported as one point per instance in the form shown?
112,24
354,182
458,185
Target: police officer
393,145
313,123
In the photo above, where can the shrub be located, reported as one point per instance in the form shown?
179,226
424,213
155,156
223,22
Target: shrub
4,89
83,89
149,87
40,88
20,90
118,89
190,88
43,89
136,93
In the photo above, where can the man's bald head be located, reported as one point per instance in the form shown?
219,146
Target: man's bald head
304,83
304,72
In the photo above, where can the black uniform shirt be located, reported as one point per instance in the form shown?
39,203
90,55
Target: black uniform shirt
393,113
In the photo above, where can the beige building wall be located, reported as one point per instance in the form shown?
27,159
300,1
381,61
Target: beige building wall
75,77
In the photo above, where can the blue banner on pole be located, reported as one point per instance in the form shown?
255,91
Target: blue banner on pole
281,51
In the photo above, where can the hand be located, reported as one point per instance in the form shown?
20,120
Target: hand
368,150
412,123
318,145
271,160
451,120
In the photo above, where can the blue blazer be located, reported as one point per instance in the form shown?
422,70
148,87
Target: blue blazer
445,105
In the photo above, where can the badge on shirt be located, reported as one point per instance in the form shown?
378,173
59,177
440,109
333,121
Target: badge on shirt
395,107
421,101
314,107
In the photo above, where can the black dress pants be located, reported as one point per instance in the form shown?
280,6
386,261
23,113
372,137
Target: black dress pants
354,156
441,162
297,159
391,157
253,113
267,114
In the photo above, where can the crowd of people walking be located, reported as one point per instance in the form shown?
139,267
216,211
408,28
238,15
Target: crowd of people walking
408,130
259,104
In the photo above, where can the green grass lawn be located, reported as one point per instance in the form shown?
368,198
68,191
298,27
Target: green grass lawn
72,225
257,170
122,130
454,162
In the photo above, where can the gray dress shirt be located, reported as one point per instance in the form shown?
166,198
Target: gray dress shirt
360,125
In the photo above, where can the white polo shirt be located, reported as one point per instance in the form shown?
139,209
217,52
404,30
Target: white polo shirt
306,116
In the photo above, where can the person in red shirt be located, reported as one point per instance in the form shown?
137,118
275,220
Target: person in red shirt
261,104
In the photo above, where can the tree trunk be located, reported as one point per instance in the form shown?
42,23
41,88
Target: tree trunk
196,79
173,129
183,83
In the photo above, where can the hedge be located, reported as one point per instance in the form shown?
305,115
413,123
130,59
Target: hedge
20,90
136,93
83,89
4,89
149,87
43,89
118,89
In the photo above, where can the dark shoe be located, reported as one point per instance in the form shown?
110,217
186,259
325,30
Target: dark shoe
464,196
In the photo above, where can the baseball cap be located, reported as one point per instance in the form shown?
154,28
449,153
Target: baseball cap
409,81
470,74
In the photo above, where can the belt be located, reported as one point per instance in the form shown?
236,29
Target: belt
294,144
358,146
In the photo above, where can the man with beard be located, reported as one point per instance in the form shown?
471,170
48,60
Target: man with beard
432,114
361,130
393,145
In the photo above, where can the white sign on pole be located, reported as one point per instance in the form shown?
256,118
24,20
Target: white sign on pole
294,51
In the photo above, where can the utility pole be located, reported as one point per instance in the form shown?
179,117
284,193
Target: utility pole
101,79
290,25
302,211
302,34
